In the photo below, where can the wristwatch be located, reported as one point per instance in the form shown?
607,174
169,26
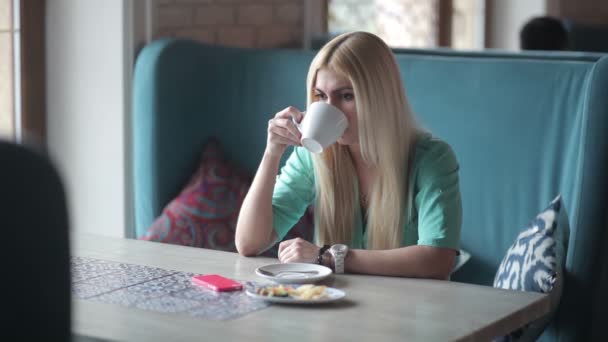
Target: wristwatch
338,252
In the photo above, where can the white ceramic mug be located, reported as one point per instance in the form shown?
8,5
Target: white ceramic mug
323,125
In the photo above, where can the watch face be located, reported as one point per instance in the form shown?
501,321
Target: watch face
339,248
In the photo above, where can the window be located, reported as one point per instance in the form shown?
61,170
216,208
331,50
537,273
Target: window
412,23
401,23
468,24
22,71
9,68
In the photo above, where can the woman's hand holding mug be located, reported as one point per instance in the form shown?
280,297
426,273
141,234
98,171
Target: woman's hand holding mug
322,126
283,132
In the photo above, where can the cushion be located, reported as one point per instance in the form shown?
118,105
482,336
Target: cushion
205,212
461,259
535,263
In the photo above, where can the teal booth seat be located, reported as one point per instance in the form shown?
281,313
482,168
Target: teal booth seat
523,129
498,53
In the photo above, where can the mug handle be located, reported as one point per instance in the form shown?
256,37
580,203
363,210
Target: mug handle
298,125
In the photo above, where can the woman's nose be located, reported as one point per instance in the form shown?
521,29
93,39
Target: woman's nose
332,101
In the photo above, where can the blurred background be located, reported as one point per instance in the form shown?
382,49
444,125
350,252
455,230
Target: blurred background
66,65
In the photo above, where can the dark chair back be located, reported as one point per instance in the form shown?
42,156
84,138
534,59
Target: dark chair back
35,253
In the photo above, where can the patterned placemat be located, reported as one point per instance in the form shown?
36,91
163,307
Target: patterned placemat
155,289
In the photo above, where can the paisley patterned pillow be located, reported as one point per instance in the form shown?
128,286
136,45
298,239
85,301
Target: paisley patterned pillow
535,263
204,214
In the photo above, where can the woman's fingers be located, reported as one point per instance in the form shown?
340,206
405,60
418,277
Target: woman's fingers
290,112
289,126
288,115
284,244
297,250
280,135
281,128
282,141
283,132
286,249
286,255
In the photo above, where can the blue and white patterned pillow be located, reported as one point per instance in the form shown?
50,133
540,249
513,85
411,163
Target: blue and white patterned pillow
535,263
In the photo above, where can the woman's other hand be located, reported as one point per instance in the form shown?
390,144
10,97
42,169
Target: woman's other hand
298,250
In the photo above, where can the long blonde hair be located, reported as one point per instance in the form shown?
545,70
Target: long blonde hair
386,132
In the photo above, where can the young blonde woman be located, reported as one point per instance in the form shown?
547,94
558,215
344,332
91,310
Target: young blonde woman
386,195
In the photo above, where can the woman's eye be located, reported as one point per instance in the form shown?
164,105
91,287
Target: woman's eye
348,96
320,96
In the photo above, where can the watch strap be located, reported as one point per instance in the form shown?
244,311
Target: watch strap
322,251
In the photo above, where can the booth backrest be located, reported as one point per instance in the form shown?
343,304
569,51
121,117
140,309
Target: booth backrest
524,129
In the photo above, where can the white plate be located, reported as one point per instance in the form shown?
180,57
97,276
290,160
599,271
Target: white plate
288,273
332,295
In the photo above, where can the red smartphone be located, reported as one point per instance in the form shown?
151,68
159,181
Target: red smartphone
216,282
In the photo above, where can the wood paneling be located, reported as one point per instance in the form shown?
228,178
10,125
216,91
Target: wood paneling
445,23
33,73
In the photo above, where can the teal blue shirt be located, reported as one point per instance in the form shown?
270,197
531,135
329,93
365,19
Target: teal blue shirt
436,215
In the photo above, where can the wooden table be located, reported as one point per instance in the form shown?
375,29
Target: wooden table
375,309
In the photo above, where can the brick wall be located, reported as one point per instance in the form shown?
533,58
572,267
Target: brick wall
590,12
241,23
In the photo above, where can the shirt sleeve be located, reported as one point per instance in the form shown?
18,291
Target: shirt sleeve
438,200
293,192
